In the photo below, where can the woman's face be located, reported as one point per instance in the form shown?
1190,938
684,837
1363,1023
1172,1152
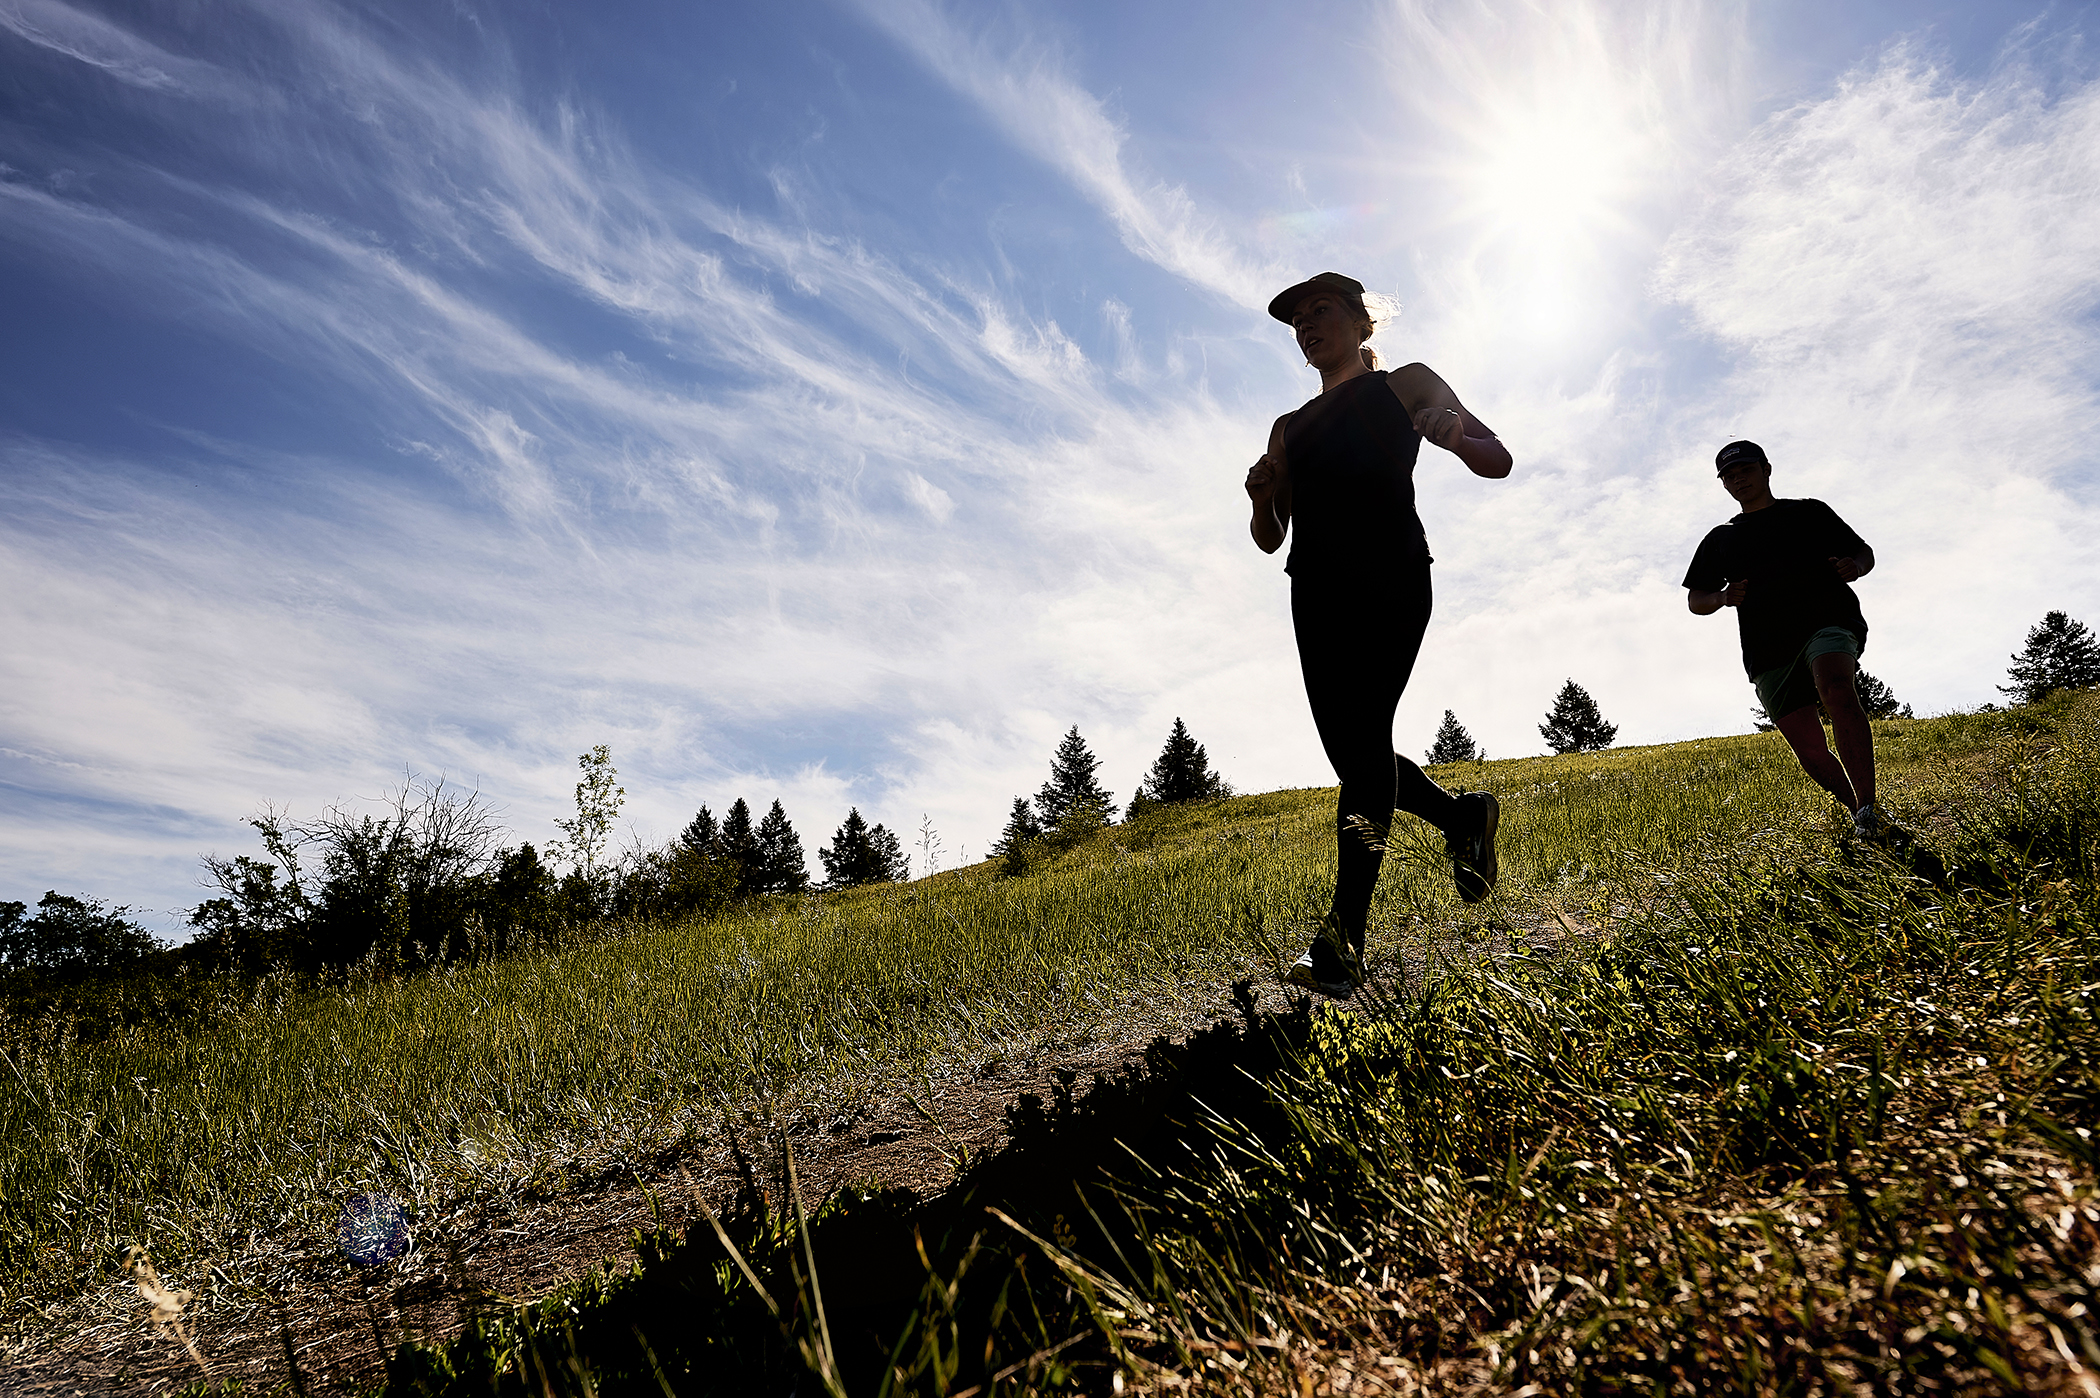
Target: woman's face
1328,329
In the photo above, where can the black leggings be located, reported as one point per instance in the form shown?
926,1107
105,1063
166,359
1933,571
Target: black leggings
1357,643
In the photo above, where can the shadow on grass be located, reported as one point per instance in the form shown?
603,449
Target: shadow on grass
885,1291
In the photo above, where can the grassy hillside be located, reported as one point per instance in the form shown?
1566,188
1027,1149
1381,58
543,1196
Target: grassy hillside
431,1087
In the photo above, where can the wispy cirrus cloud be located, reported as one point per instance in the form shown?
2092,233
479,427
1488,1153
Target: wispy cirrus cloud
815,492
1898,275
1023,83
615,445
1908,271
110,49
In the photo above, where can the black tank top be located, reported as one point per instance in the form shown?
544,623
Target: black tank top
1351,453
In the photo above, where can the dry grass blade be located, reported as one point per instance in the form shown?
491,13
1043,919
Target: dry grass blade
165,1305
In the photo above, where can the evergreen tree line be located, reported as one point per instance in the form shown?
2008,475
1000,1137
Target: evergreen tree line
2059,653
430,880
1073,803
1573,724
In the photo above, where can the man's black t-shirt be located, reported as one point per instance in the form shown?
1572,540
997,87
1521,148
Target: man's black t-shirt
1784,550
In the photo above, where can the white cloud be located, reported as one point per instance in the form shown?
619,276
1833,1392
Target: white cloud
1022,84
108,48
938,504
694,568
847,527
1907,271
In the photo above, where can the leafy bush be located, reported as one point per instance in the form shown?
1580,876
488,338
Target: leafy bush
70,934
408,887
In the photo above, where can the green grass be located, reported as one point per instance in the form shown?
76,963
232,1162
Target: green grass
434,1086
1796,1120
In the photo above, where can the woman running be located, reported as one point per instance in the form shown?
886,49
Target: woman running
1341,469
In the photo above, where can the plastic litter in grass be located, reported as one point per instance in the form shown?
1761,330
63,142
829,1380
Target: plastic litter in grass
375,1229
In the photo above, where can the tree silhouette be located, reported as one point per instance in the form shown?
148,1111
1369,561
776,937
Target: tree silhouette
1574,723
702,833
1875,697
1022,828
1453,743
1072,787
2060,654
70,933
740,843
858,854
1181,772
781,868
598,800
1878,699
886,853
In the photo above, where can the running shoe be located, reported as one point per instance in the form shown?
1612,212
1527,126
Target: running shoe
1307,976
1870,824
1473,865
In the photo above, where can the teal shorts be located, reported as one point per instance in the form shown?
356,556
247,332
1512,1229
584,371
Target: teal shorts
1792,686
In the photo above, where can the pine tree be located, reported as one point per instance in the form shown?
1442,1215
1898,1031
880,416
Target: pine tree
1181,772
846,858
1453,743
1878,699
1574,723
1875,697
889,862
702,833
781,868
1022,829
1072,787
741,845
2060,654
859,854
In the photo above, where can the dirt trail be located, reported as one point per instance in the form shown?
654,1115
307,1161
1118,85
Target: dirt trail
340,1320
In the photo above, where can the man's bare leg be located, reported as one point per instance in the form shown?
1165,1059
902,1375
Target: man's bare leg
1848,721
1804,733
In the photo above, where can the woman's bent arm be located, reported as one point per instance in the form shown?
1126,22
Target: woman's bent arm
1269,489
1439,416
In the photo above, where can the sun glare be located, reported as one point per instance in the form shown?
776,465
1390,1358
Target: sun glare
1552,141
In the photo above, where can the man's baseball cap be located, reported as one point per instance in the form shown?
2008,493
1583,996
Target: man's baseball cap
1287,299
1740,451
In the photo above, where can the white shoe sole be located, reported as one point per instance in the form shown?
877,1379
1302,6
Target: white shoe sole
1302,975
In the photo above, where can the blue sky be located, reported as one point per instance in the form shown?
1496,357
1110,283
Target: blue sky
836,401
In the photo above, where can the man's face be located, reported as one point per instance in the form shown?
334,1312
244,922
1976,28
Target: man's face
1747,479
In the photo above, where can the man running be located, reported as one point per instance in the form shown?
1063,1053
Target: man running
1786,566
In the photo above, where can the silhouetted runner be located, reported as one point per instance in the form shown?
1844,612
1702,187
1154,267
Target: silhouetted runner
1340,472
1786,567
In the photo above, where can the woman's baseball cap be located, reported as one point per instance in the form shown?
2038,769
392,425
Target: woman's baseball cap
1287,299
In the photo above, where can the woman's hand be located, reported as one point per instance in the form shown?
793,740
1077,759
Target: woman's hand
1446,427
1438,417
1269,487
1263,479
